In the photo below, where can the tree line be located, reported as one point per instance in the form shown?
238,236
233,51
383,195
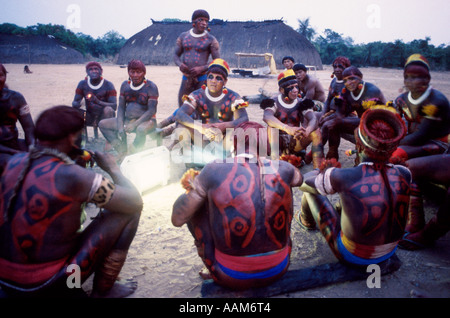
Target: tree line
329,45
105,46
376,54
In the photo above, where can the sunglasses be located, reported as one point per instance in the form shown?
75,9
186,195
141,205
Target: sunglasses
351,79
217,78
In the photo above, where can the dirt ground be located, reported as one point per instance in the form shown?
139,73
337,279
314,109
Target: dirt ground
163,259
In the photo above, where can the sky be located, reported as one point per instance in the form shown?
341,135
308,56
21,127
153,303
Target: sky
362,20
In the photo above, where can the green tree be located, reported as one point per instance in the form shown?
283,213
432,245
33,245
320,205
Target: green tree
305,29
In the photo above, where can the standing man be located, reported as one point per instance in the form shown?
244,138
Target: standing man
13,108
240,213
99,95
136,114
374,195
192,52
42,197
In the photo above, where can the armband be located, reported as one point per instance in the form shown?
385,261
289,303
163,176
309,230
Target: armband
24,110
323,183
102,191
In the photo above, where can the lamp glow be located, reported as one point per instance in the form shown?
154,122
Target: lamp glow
147,169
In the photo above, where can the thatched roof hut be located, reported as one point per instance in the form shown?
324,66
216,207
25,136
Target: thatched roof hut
156,44
36,49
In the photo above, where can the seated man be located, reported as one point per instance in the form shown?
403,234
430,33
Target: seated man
99,95
136,114
337,84
294,119
42,197
349,109
216,108
240,213
426,110
429,169
309,86
374,195
13,108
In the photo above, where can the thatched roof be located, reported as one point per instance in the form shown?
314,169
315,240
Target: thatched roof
36,49
156,44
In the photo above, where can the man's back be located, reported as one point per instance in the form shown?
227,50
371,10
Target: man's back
44,217
250,211
374,202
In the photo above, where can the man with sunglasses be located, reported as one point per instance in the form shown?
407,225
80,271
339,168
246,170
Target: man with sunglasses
353,101
214,107
192,52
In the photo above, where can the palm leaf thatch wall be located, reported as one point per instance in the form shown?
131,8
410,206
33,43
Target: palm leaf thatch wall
36,49
156,44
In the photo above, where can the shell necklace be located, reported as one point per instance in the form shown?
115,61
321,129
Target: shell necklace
195,35
360,93
136,88
97,86
421,98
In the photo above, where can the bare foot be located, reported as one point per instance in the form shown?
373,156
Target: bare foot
119,290
205,274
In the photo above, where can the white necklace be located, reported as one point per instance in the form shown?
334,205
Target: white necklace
421,98
195,35
211,98
368,163
284,104
92,86
360,93
136,88
245,155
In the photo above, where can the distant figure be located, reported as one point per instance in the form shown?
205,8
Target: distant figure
27,70
192,52
288,62
99,94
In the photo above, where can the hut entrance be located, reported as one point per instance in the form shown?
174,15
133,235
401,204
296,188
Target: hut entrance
267,69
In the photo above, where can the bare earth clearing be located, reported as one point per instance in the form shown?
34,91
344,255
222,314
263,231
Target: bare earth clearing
163,259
